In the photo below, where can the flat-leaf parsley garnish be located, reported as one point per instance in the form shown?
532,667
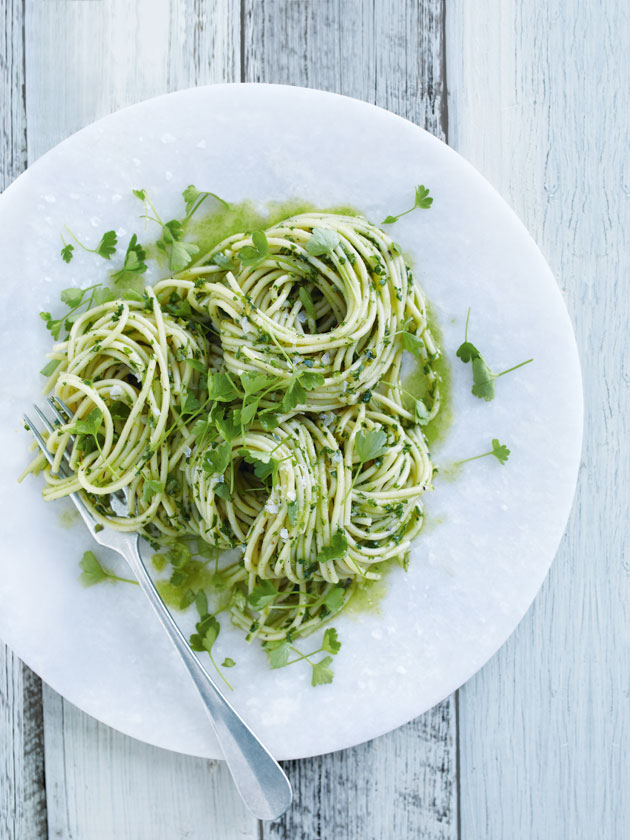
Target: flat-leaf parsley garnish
499,451
422,202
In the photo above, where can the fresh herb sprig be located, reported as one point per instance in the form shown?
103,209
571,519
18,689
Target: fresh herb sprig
368,446
483,377
499,451
279,656
92,571
106,247
422,202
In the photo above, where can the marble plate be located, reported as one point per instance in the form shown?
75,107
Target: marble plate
491,534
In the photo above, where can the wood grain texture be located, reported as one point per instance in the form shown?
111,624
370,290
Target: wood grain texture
392,54
22,793
540,105
116,53
104,785
388,52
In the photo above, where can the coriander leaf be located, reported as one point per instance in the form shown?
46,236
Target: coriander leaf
90,424
322,673
92,572
334,598
216,461
187,598
211,634
107,246
228,663
337,548
483,379
421,412
371,444
191,405
131,294
292,512
175,229
72,297
150,489
141,194
331,643
262,595
220,388
307,302
412,343
253,254
467,352
322,241
295,395
200,429
50,368
278,653
500,451
67,253
310,380
181,255
227,427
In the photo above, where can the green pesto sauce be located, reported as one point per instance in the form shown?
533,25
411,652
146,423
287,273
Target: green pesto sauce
200,577
246,216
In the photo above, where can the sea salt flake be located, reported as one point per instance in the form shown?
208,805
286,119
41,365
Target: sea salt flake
291,495
271,507
116,391
284,534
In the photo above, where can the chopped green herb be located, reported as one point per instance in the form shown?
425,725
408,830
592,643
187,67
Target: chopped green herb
422,201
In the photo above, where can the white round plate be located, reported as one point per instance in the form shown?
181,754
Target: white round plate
490,535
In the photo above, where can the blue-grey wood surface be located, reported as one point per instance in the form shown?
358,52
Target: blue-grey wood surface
535,94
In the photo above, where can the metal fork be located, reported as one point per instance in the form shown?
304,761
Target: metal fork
260,780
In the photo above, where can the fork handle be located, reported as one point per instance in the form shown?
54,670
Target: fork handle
260,780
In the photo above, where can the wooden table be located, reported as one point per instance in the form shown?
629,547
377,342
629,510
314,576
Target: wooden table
535,94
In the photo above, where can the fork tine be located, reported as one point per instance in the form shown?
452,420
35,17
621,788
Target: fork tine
65,471
65,415
76,498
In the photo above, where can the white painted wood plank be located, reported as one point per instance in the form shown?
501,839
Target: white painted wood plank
539,103
100,783
390,53
103,785
87,58
22,794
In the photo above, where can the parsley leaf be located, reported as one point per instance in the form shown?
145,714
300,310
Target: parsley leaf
331,643
499,451
371,445
278,653
194,199
322,673
337,548
295,395
334,599
67,253
220,388
72,297
309,380
253,254
421,412
133,264
92,572
264,465
211,634
322,241
422,202
253,382
228,663
107,246
90,424
483,377
150,489
262,595
412,343
307,303
224,262
216,461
